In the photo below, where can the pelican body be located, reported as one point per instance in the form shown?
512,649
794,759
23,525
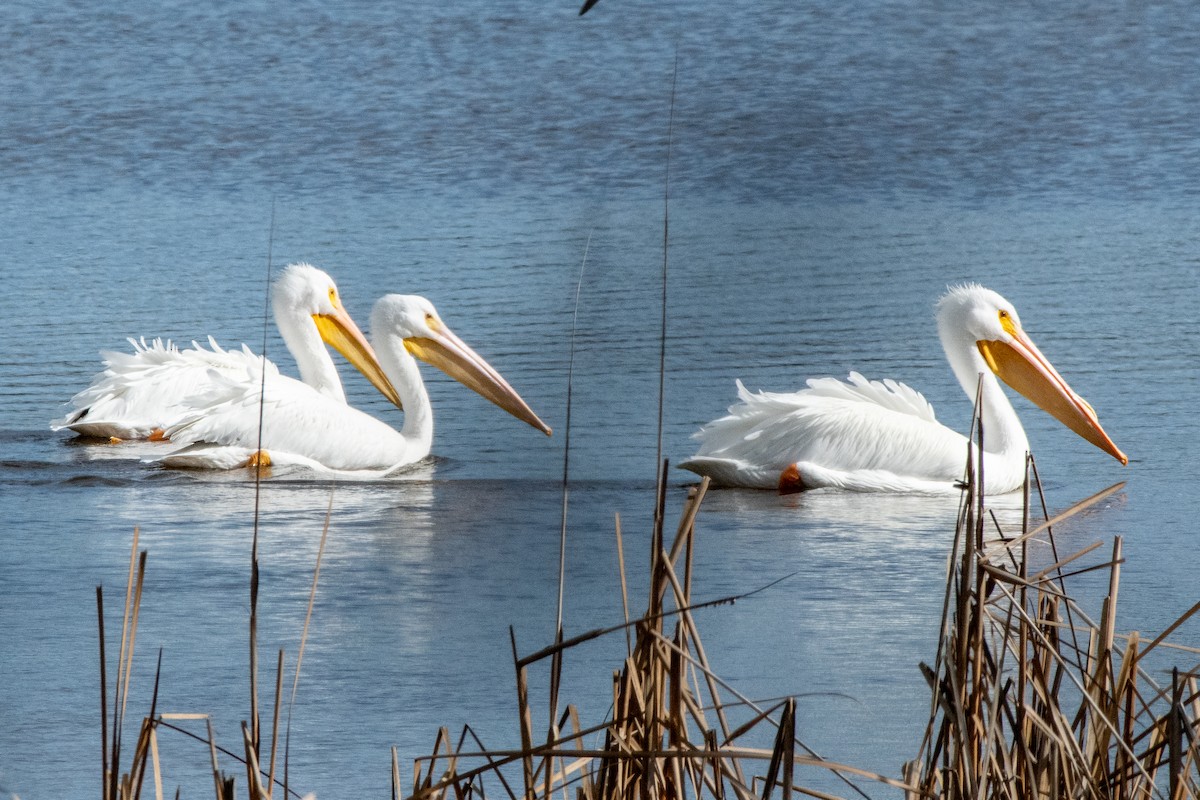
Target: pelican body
309,429
141,394
866,435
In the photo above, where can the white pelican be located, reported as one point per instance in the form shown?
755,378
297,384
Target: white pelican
142,393
311,430
882,436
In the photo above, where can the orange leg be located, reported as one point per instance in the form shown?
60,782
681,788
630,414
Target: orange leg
790,481
260,459
158,435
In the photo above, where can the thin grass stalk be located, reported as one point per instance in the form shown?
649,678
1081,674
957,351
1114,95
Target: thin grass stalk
624,585
783,754
1096,737
1023,764
1114,586
687,521
1125,690
713,753
258,470
158,785
312,596
673,787
142,752
676,731
656,539
253,782
115,750
676,723
556,664
104,767
133,624
395,774
253,638
654,709
1193,755
974,633
548,764
127,667
662,338
212,749
960,627
275,722
1174,736
524,715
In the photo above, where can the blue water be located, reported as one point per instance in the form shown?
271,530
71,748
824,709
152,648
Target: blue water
833,167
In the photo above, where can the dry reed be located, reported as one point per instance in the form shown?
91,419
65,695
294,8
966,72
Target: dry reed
670,733
127,785
1030,697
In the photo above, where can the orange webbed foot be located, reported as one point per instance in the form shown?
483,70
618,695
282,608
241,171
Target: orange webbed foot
259,458
790,481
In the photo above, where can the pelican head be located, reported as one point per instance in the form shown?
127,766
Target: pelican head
990,324
425,336
303,290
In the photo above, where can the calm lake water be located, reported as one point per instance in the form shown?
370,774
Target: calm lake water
834,166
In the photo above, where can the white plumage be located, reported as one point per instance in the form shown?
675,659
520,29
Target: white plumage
141,394
301,427
882,435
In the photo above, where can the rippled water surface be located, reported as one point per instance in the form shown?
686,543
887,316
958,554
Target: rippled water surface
833,167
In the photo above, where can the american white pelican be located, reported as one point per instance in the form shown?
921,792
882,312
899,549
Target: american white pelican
882,436
312,430
140,394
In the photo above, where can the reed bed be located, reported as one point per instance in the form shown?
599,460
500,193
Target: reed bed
675,730
1030,697
128,783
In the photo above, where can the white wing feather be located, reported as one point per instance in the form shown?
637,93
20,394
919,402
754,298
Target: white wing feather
856,431
150,388
300,427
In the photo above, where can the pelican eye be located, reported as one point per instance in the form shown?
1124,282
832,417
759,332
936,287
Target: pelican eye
431,322
333,298
1007,322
